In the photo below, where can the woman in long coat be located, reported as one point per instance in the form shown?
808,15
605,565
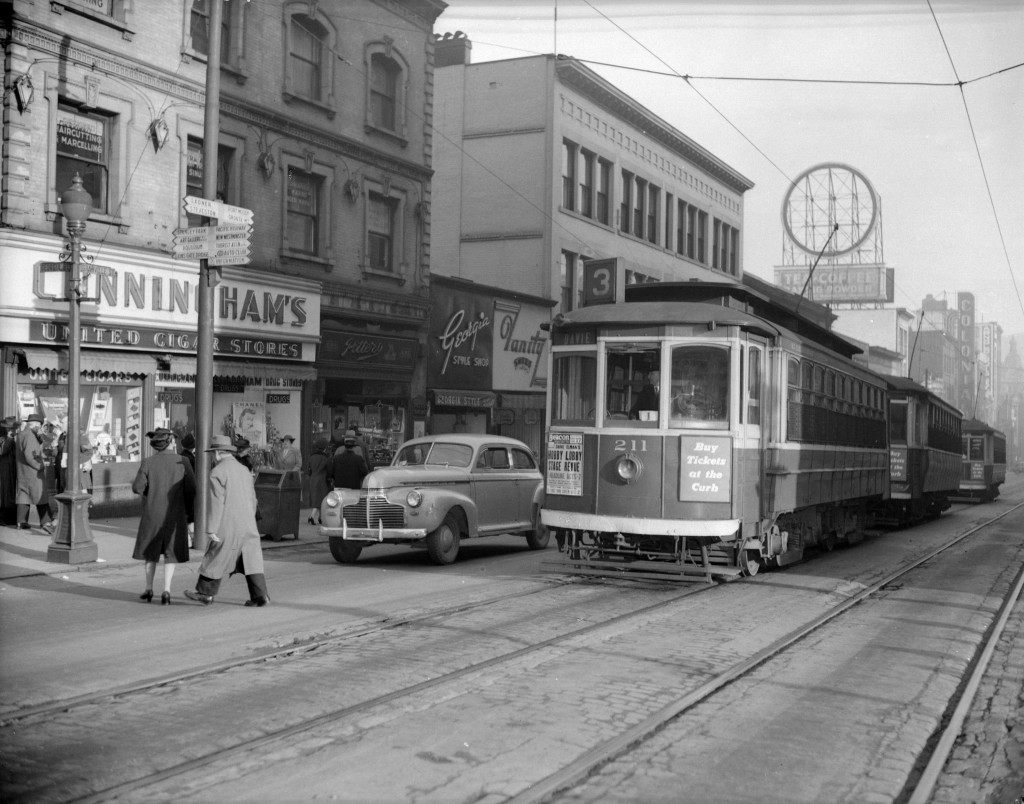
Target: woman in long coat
168,488
32,475
317,471
8,472
234,539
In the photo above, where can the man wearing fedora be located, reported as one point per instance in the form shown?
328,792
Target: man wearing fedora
32,475
233,537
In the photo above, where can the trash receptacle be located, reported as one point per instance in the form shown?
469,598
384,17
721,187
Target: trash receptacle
278,492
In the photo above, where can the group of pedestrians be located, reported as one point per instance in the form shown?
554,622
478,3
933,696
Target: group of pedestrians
166,481
336,465
23,463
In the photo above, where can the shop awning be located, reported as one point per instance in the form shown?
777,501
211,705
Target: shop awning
257,369
92,361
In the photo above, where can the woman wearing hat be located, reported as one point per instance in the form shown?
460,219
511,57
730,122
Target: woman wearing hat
317,471
233,538
168,488
32,475
289,457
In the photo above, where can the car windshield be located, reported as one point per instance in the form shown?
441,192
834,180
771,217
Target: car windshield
434,453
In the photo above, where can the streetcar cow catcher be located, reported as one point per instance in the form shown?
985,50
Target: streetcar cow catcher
703,430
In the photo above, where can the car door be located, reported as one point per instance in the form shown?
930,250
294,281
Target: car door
496,493
528,479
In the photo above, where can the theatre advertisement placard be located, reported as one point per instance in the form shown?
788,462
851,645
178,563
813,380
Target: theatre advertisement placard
461,339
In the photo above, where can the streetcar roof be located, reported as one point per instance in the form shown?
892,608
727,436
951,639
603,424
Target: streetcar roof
662,313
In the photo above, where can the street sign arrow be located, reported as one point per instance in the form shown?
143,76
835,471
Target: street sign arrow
233,229
229,260
65,267
54,267
224,213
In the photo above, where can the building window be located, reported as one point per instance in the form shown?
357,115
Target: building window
640,206
670,207
305,56
194,173
568,175
725,247
84,147
380,233
701,236
626,209
199,29
604,189
570,269
384,73
653,197
303,224
587,185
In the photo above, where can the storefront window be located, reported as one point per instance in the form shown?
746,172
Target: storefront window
110,417
175,409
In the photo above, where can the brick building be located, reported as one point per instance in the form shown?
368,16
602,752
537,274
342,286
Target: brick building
324,134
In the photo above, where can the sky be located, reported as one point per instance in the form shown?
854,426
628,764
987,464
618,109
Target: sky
925,99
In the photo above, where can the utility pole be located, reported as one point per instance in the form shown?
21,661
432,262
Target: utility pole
207,281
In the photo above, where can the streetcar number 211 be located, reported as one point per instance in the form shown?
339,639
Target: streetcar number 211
630,445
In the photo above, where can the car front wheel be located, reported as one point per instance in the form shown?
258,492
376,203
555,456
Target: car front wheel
443,543
345,552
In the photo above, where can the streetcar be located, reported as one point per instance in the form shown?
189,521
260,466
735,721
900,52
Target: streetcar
703,430
924,455
983,462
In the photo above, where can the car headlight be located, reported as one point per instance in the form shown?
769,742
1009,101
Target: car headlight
413,498
331,500
629,468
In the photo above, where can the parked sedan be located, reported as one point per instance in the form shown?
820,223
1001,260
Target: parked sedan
438,491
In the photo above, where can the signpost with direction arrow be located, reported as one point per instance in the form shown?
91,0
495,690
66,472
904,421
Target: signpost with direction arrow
227,243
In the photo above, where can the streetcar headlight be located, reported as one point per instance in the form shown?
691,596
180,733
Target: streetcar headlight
629,468
413,498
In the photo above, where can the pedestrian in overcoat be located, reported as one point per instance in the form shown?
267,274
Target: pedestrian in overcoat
32,475
168,488
8,471
233,537
348,468
316,468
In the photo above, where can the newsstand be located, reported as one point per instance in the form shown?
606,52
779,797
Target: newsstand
278,493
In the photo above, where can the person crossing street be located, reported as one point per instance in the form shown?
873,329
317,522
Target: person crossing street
231,530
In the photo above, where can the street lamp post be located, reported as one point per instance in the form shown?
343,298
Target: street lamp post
72,539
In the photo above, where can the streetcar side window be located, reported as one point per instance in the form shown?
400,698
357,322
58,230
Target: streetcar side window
897,422
574,389
754,386
700,386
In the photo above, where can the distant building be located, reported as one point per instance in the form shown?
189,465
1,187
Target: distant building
541,168
886,328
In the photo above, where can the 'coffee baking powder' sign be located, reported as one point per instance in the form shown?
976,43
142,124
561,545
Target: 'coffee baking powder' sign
705,469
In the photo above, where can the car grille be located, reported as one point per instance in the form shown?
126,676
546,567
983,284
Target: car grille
369,511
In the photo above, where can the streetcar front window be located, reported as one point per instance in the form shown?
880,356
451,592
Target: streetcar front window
700,386
633,381
574,389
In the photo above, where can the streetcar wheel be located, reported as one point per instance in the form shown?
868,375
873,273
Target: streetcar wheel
828,544
539,537
750,563
345,552
443,543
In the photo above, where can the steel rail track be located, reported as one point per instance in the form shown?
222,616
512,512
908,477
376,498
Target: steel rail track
568,776
294,648
578,770
116,791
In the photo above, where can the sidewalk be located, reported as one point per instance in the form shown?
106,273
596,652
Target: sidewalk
23,552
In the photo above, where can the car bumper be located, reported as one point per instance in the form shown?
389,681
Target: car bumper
380,534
